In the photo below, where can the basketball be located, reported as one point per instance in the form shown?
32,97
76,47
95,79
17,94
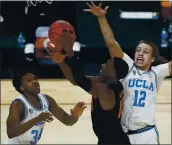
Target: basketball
56,31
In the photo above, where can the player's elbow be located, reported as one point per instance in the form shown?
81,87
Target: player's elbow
10,134
69,124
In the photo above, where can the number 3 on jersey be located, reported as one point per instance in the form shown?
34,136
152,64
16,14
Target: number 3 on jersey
36,136
139,98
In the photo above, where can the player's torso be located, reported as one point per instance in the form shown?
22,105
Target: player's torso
33,135
140,93
103,120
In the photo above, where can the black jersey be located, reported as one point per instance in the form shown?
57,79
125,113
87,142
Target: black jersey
106,123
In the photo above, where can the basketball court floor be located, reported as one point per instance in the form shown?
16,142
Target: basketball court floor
66,96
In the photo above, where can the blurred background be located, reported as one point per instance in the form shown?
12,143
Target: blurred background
24,29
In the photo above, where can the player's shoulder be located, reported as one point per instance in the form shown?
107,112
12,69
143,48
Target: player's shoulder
93,79
19,98
18,103
159,67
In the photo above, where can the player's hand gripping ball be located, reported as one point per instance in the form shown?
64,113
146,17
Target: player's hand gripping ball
60,32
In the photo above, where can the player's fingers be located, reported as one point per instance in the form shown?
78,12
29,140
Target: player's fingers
49,114
48,120
71,111
106,8
87,10
82,103
51,49
93,4
48,57
74,38
83,108
77,104
90,6
49,53
100,5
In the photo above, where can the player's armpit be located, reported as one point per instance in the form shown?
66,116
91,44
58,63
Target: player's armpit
59,113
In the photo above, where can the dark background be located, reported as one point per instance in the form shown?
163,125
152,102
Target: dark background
127,32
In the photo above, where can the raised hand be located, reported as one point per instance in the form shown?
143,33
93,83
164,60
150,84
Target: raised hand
96,10
68,42
55,54
78,109
58,52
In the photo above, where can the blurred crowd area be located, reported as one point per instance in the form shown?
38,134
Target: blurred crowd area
23,33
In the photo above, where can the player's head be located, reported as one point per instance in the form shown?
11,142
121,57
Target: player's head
145,54
26,83
115,66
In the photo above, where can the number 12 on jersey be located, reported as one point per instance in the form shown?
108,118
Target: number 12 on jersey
139,98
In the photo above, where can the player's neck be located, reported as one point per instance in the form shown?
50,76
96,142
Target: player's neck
31,97
144,68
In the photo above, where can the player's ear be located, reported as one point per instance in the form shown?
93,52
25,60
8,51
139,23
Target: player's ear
153,58
22,88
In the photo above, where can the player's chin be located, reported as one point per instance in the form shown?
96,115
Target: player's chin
141,64
37,91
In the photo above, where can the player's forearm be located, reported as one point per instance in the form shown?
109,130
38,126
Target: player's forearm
108,35
70,120
19,129
67,72
78,74
106,30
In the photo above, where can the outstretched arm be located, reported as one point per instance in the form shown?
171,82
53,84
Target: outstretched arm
67,72
108,35
61,115
70,66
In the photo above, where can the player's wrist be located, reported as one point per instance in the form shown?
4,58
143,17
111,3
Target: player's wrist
101,17
37,119
75,116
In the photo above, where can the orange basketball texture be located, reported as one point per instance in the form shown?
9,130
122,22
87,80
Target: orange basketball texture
56,31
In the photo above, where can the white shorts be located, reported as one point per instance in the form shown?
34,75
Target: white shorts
148,137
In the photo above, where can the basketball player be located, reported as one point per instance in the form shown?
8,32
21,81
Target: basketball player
106,91
140,85
30,110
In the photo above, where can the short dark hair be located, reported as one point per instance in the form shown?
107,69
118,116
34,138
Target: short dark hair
155,49
16,81
18,73
121,67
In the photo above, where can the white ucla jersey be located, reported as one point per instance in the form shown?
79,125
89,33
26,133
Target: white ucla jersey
33,135
140,92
